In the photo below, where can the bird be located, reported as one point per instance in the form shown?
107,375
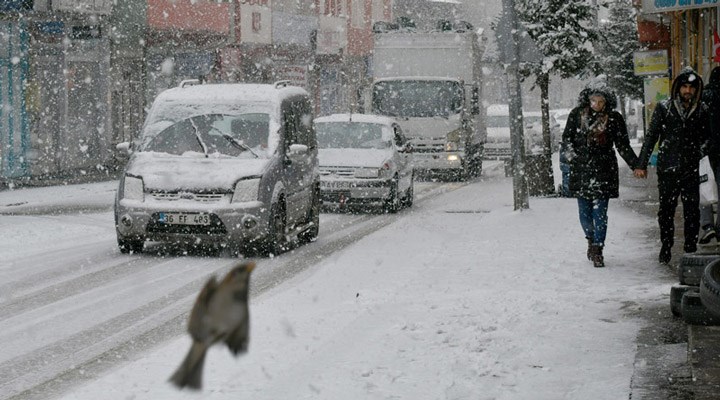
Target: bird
220,315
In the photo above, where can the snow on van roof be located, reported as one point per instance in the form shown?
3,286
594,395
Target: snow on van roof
366,118
245,92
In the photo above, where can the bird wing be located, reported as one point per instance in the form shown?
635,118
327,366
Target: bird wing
200,309
237,341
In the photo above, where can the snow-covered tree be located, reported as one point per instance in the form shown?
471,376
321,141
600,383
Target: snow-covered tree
618,42
564,31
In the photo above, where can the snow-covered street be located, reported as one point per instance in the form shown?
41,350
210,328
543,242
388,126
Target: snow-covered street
459,297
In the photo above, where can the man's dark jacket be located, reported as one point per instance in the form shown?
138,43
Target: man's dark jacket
711,98
683,139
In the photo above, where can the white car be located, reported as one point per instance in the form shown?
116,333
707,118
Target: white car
497,145
365,160
561,115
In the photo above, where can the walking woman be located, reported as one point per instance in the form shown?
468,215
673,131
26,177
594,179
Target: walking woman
593,131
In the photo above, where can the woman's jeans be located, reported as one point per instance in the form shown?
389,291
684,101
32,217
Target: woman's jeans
593,218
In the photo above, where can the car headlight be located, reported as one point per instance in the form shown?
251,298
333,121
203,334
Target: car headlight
246,190
133,188
367,173
387,171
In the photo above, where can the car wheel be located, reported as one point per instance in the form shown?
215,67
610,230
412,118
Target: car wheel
410,193
313,218
275,242
130,245
392,203
710,288
676,294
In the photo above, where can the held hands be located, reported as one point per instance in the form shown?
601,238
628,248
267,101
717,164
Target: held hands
640,173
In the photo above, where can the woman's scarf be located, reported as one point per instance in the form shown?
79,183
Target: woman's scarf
594,124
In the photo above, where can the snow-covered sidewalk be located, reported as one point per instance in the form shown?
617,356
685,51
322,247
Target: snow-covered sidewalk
462,298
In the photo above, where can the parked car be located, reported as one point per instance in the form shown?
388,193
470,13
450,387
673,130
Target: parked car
497,146
365,160
561,115
222,163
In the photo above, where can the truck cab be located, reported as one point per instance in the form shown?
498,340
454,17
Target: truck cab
431,83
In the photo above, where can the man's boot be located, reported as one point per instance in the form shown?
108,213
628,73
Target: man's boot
665,254
597,256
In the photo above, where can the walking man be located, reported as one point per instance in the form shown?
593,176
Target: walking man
711,97
681,126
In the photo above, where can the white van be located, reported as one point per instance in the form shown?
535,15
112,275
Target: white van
222,164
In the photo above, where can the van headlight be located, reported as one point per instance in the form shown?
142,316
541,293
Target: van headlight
133,188
246,190
367,173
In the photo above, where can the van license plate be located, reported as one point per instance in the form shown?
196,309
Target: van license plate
184,219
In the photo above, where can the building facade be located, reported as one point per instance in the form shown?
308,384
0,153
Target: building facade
78,75
55,88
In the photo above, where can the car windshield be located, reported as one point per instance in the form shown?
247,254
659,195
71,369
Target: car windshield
418,98
350,135
214,135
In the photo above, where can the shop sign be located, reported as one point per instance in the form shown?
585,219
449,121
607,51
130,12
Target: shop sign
83,6
296,74
659,6
654,62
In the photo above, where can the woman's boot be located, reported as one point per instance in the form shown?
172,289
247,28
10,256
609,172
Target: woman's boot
590,249
597,256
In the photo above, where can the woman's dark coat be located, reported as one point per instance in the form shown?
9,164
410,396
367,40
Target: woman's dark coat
593,166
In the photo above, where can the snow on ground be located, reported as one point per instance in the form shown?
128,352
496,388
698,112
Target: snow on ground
462,298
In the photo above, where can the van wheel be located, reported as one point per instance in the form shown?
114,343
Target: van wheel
392,203
410,193
275,242
130,245
313,218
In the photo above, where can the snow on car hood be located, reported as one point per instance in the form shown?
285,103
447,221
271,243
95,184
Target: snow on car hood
170,173
353,157
432,127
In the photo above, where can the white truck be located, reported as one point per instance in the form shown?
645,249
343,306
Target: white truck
431,82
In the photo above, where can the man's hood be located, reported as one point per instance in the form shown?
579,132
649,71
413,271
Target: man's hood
685,76
164,172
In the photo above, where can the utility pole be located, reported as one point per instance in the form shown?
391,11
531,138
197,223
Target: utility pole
517,142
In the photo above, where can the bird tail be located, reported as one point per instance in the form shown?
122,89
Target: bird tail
190,371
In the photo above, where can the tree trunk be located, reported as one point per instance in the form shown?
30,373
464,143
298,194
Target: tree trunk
541,181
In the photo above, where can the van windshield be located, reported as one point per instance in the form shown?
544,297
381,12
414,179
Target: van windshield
213,135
